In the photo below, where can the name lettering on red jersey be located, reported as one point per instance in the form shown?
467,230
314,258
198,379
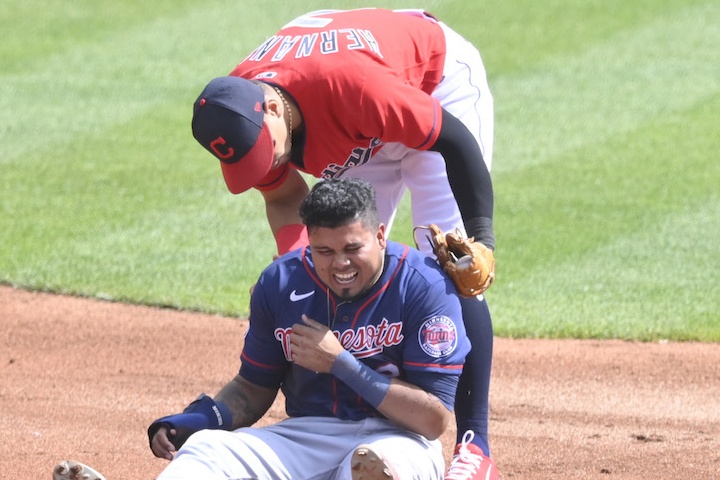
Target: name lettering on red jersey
353,36
330,41
263,49
307,43
285,46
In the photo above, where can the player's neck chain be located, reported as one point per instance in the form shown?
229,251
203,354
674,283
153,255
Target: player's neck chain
289,114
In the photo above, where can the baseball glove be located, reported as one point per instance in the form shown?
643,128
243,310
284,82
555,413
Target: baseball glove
469,264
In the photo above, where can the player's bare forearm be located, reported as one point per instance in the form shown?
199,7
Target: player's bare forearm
247,402
315,347
283,203
415,409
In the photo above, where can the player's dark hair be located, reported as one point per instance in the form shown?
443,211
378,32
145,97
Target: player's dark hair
338,202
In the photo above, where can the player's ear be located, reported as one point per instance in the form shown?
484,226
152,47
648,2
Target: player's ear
380,235
272,107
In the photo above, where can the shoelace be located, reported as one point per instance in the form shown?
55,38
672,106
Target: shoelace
465,463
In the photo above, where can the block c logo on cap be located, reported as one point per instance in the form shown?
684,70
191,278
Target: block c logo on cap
223,155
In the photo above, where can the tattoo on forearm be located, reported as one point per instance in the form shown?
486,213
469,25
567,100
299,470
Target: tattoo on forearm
246,405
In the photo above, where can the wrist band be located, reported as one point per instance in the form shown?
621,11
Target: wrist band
291,237
203,413
369,384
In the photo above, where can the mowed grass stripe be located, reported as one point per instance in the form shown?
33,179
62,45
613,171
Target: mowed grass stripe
614,87
147,221
87,88
612,189
625,242
36,30
524,35
661,282
596,193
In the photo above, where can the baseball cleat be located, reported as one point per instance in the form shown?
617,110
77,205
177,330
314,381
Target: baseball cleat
72,470
368,464
470,462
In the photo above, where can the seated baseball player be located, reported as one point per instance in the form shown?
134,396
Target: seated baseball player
364,337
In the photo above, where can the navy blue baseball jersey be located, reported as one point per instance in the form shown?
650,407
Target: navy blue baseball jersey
408,325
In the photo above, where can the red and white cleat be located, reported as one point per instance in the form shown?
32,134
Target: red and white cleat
470,463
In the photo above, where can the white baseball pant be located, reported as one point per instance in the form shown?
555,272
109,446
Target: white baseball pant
305,448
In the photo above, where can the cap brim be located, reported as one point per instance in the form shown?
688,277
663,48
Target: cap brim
251,168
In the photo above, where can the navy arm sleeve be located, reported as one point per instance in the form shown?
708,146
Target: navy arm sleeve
469,178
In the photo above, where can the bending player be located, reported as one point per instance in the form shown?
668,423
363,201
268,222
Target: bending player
394,97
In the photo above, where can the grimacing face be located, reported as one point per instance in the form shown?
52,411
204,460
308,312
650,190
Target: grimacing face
348,259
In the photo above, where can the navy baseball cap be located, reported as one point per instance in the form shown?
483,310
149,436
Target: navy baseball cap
228,122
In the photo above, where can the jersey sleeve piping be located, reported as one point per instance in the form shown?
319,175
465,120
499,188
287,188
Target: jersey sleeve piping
435,131
247,359
433,365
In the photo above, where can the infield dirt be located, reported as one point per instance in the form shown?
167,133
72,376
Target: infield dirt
82,379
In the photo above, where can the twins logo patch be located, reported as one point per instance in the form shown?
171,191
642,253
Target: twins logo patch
438,337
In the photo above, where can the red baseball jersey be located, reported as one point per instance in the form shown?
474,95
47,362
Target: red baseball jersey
361,78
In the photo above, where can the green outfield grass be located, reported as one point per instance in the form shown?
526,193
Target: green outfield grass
606,173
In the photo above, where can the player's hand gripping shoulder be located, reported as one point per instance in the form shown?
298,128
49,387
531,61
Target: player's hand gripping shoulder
470,264
316,348
313,346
